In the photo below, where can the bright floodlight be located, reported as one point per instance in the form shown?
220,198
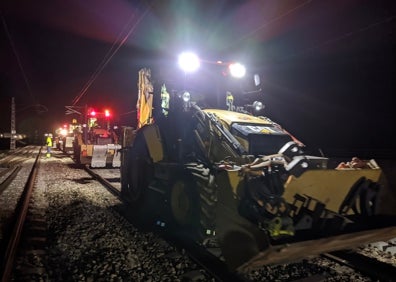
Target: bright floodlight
189,62
237,70
63,132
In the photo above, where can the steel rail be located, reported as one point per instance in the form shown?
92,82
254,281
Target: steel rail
215,267
21,212
103,181
200,255
5,171
371,267
9,179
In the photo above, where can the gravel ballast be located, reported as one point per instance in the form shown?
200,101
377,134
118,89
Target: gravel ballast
88,240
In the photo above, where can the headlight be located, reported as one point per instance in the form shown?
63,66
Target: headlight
186,97
189,62
237,70
63,132
258,106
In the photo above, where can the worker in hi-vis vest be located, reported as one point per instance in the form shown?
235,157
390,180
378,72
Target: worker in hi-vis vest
49,145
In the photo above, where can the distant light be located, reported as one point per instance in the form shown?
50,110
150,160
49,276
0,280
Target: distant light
189,62
237,70
63,132
107,113
92,113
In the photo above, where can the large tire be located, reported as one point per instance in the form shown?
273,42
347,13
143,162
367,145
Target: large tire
192,202
183,200
238,238
238,247
139,172
207,190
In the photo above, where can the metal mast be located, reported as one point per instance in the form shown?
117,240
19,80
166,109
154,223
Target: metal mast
13,131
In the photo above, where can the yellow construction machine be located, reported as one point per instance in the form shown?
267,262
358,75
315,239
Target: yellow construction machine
96,143
228,176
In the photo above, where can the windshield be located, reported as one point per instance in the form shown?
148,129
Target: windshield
259,139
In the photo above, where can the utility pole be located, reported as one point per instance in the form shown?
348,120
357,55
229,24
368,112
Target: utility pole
13,130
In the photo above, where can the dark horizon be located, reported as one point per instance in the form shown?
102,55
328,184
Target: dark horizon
327,68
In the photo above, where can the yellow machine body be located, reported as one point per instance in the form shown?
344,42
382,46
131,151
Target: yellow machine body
248,183
330,186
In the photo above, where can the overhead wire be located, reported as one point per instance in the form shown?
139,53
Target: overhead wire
110,54
102,63
266,24
25,79
327,42
343,36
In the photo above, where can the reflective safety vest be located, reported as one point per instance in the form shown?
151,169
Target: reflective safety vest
49,141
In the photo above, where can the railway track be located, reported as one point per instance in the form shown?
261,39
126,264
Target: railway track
32,262
12,226
366,265
198,253
34,244
209,258
20,155
10,173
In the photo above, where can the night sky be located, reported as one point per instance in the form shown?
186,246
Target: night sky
328,68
